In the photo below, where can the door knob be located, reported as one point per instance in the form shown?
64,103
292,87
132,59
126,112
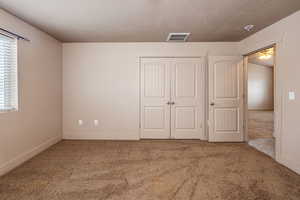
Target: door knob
172,103
169,103
212,104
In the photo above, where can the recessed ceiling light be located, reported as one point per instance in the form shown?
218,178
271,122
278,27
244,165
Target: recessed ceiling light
265,57
266,54
249,27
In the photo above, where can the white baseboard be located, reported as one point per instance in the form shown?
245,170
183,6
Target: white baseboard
292,165
102,135
15,162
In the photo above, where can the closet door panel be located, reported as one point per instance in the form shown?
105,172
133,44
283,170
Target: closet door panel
155,95
187,97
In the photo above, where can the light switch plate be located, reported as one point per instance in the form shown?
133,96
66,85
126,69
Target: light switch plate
80,122
292,96
96,122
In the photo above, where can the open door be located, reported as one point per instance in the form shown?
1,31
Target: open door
226,99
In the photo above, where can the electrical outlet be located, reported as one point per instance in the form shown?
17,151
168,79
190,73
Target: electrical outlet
292,96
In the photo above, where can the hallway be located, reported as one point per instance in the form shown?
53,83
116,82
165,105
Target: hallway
260,131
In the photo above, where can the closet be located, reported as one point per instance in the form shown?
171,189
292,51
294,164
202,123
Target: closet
172,98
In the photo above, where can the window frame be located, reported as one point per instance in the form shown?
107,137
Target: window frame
14,108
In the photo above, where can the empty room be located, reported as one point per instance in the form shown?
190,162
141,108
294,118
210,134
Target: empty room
149,100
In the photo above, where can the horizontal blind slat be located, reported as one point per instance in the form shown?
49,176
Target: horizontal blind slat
8,74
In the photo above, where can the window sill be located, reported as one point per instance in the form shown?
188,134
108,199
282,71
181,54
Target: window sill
8,111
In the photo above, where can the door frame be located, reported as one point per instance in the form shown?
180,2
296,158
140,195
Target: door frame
277,99
204,135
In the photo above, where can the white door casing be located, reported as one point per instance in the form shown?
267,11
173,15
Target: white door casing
187,93
172,98
226,99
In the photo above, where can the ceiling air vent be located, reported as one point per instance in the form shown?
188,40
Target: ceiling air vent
178,37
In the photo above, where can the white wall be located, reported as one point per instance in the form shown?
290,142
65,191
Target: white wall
260,87
101,81
38,123
286,34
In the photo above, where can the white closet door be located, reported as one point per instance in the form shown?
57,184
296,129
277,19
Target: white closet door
155,95
187,96
226,99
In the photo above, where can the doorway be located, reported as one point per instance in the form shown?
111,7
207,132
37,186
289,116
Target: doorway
172,98
260,100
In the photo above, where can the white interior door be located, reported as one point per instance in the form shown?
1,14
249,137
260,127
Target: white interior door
187,96
226,99
155,94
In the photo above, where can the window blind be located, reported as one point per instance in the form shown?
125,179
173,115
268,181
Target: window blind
8,74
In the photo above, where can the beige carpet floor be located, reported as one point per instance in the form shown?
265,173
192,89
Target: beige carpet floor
150,170
260,124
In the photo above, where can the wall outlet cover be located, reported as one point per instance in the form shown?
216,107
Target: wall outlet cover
292,96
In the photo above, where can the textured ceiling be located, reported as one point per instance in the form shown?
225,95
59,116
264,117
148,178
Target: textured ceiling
149,20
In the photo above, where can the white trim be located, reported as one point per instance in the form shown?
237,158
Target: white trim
101,135
291,164
17,161
245,96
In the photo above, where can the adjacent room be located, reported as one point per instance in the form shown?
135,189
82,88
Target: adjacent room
149,100
261,101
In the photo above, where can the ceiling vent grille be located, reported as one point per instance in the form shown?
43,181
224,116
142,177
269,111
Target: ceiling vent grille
178,37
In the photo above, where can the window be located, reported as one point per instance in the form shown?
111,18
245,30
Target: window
8,74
